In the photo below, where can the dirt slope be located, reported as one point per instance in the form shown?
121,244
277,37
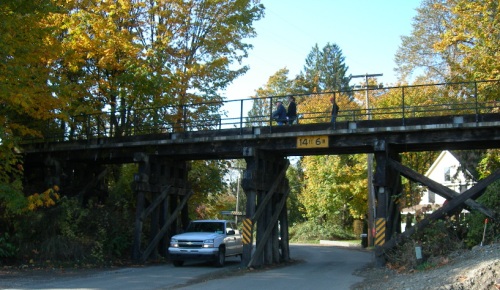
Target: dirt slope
476,269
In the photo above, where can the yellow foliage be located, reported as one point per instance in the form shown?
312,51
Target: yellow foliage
47,199
472,33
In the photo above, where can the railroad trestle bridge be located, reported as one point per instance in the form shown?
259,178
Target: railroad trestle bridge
85,144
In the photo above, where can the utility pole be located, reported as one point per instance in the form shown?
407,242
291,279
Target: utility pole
238,181
371,192
237,199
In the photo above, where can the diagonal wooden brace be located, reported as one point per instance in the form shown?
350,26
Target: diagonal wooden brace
267,198
164,229
438,188
267,233
452,205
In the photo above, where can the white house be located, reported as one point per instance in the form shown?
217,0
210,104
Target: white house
446,171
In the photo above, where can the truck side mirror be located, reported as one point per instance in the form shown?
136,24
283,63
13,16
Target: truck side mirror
230,232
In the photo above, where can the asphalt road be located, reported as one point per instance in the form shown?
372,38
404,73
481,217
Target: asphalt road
316,267
321,267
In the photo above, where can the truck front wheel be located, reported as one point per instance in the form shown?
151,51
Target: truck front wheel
221,257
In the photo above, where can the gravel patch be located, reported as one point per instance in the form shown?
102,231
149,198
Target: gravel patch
476,269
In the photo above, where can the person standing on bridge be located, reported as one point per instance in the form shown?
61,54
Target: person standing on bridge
335,111
279,115
292,111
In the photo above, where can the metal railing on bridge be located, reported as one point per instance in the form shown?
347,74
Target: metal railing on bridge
403,102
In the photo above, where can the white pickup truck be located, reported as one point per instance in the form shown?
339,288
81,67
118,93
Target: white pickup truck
208,240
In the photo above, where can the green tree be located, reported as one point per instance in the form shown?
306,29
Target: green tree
491,198
296,179
325,71
207,179
335,189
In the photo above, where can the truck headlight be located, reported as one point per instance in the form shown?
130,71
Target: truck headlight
174,243
208,243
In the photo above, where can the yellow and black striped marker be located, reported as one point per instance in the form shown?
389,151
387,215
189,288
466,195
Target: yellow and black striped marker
380,232
247,231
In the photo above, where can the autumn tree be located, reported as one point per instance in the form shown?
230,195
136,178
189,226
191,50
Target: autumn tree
473,29
417,54
208,184
26,100
335,189
452,41
98,70
278,86
64,63
194,49
129,63
26,51
123,56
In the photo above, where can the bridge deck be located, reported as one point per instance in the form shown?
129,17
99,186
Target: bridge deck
416,134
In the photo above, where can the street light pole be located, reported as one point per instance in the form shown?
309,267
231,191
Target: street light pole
369,165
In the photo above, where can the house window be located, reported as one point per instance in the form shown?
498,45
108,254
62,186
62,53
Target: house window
432,197
447,174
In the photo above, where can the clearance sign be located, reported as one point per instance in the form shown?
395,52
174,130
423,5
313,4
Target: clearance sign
306,142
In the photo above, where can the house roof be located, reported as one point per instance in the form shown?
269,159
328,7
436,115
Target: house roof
459,158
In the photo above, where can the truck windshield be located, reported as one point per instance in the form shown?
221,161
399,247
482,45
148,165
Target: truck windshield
210,227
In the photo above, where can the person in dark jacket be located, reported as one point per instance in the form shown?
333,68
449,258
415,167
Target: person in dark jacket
279,115
335,111
292,111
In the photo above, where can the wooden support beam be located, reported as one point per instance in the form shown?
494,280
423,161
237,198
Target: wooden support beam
284,246
136,250
452,205
164,229
438,188
93,182
261,181
261,206
155,203
267,233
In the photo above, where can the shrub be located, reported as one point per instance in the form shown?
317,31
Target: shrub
476,220
436,241
97,234
7,248
308,231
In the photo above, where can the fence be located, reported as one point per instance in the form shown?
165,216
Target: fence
471,98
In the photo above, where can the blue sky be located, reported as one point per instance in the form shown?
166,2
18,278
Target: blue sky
367,31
